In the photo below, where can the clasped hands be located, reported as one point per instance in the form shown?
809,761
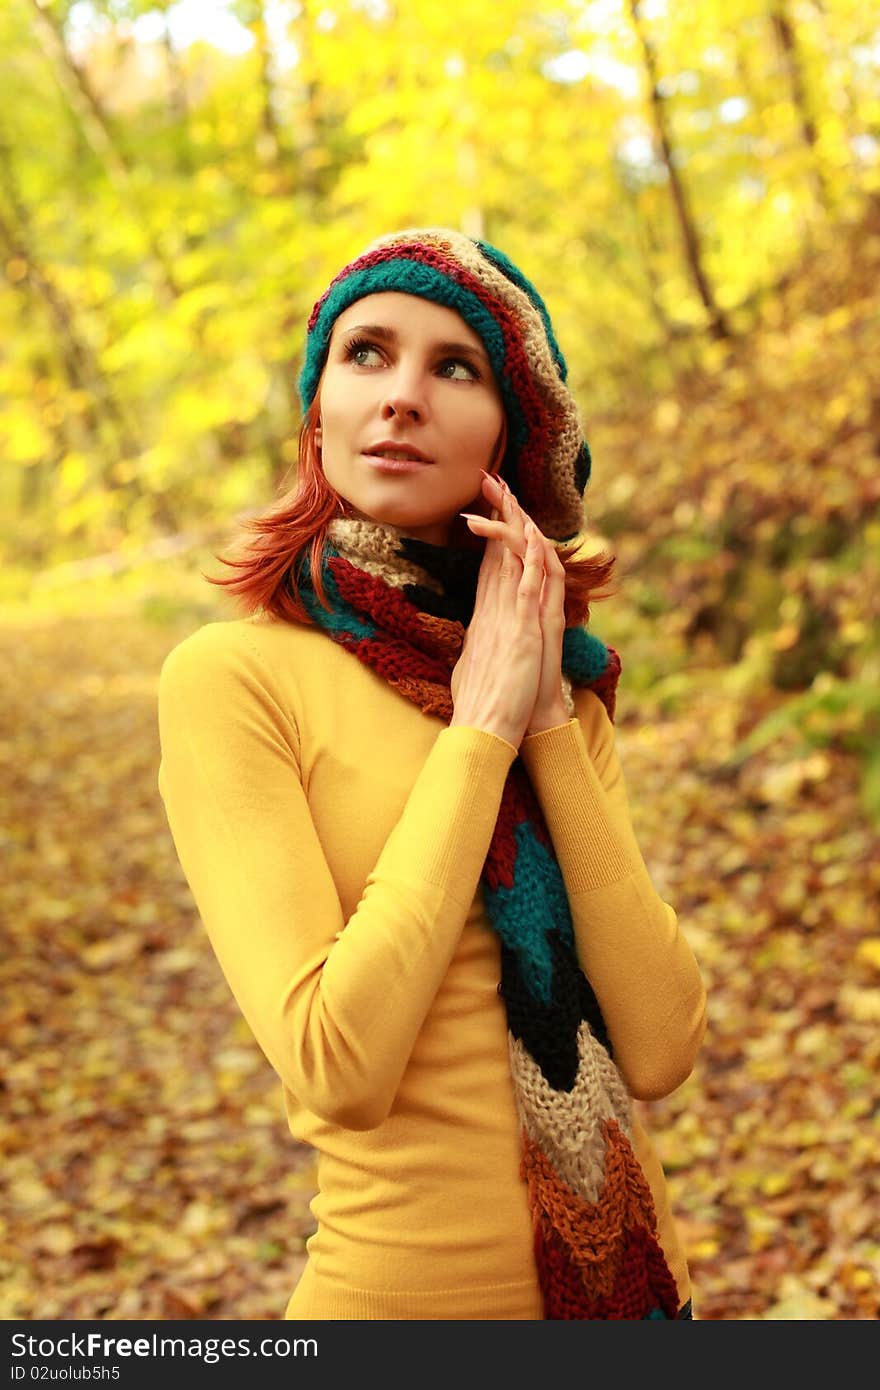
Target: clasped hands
508,678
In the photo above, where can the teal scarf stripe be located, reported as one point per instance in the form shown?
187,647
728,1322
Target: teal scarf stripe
533,908
342,618
584,657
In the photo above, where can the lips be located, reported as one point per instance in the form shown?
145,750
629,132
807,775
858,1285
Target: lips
396,451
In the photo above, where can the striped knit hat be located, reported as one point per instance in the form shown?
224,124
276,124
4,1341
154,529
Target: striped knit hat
547,462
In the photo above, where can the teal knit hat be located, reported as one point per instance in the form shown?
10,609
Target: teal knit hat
547,462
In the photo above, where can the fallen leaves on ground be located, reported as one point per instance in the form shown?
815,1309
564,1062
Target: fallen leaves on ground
145,1165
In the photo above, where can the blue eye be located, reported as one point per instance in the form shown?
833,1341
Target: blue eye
470,373
359,350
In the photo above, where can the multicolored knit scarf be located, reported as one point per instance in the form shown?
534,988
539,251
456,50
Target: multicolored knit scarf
402,606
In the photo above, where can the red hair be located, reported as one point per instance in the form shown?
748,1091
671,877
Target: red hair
269,568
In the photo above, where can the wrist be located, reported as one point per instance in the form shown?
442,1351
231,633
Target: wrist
495,728
542,720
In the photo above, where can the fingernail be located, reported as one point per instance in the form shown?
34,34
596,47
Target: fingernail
472,516
493,477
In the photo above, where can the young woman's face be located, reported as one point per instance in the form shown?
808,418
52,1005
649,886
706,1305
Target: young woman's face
409,413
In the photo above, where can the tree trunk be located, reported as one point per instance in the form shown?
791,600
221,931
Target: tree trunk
762,131
178,99
309,121
306,141
788,46
845,101
750,85
269,148
649,256
718,325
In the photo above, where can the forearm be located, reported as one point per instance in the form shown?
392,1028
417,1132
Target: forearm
359,1012
334,1003
629,944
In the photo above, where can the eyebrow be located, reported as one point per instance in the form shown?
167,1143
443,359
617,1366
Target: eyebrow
390,335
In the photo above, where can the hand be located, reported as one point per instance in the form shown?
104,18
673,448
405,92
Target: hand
495,681
509,524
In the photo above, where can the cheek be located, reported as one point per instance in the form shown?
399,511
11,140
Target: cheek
486,426
333,395
344,409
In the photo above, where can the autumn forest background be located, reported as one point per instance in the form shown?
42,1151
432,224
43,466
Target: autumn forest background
696,191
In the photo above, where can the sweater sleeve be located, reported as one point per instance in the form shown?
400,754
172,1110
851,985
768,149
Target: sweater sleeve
335,1006
630,946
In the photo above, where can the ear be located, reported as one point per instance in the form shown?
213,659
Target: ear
319,435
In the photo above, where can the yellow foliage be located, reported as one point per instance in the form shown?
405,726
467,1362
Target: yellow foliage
24,438
868,952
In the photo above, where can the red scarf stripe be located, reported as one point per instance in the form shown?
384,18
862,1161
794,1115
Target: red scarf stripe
644,1281
606,686
593,1265
591,1232
428,696
427,652
392,660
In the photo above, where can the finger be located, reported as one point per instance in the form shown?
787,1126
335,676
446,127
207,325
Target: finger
512,533
490,521
511,566
496,490
513,515
532,578
553,597
504,531
492,487
487,578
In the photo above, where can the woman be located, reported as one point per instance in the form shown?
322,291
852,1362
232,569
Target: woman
394,792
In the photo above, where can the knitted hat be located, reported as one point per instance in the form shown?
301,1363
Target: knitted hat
547,462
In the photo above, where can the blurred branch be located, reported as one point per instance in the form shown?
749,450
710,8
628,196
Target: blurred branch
99,134
81,367
117,562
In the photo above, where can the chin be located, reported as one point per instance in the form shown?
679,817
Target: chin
404,519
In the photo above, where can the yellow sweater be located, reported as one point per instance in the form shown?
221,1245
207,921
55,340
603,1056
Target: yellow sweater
333,837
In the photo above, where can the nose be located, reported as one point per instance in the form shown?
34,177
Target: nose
405,397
